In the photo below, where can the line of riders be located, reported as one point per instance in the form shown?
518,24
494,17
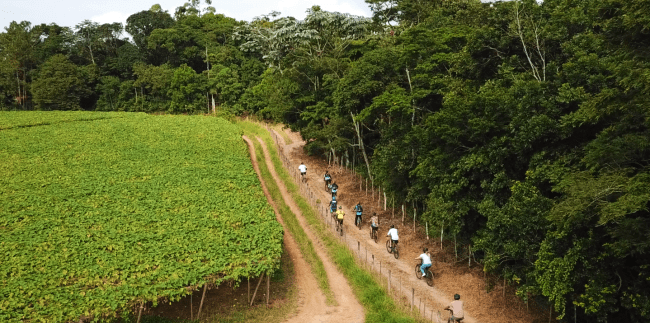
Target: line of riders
456,306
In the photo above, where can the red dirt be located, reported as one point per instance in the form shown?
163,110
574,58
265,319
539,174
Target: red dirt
450,276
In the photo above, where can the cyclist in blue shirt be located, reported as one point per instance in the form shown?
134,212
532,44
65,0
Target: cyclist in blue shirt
328,179
333,204
359,211
335,188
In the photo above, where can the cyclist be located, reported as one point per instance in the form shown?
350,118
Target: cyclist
426,261
334,189
393,235
328,178
339,216
333,204
359,211
374,224
456,309
303,170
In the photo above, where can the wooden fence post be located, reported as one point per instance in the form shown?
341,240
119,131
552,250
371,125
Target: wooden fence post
205,288
412,298
139,312
389,278
268,288
255,292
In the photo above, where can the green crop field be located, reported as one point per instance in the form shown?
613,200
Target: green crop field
99,212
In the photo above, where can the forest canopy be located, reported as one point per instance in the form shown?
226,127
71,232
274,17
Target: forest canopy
519,127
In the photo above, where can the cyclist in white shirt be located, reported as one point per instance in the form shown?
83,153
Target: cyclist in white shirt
393,235
302,168
426,261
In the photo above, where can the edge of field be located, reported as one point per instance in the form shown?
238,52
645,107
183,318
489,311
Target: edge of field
306,247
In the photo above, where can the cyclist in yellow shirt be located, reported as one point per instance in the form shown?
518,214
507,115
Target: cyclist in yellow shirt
339,216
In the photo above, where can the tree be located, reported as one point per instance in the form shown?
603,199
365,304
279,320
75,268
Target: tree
109,91
157,81
60,85
140,25
186,91
17,53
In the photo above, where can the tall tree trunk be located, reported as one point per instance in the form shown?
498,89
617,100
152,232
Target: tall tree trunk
363,148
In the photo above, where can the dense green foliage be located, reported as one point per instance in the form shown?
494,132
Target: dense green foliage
520,127
103,211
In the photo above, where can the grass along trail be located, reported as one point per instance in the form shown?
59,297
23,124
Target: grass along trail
311,301
349,308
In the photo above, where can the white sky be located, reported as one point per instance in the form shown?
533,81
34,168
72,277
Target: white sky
71,12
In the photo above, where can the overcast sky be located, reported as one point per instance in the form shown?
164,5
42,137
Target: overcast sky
71,12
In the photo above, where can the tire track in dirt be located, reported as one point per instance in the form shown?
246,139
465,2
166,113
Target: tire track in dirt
311,303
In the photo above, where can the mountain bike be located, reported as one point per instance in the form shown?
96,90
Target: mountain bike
429,275
303,177
392,249
373,234
339,227
358,221
328,185
451,318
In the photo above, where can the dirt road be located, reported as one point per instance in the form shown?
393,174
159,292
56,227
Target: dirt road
311,304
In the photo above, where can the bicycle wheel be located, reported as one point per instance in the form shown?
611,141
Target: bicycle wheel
374,237
418,273
359,223
341,229
396,252
429,278
388,246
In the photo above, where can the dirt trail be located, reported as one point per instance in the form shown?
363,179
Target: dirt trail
480,306
401,271
311,304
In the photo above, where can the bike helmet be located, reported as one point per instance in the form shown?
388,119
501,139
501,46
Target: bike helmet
340,207
392,226
456,297
425,250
